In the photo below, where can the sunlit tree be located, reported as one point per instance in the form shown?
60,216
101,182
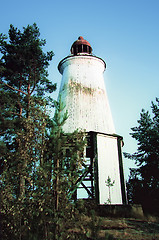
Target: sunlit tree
147,156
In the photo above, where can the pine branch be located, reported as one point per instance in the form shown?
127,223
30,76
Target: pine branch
18,114
13,88
34,82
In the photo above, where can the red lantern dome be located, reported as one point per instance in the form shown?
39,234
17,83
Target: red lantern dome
81,46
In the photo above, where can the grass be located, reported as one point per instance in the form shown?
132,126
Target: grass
106,228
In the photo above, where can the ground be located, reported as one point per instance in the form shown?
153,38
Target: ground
129,228
106,228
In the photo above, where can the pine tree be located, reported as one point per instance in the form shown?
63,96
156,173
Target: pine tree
23,115
64,157
147,155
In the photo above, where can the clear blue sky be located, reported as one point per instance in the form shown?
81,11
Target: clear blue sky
124,33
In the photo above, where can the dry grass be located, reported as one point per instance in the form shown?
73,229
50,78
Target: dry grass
117,228
130,229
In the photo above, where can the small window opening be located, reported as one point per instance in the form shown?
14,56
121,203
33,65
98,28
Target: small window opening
84,48
79,48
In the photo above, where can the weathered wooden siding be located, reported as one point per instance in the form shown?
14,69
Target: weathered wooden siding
84,94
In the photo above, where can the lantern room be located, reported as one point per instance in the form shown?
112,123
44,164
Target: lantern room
81,46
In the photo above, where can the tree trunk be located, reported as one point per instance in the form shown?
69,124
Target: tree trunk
20,106
28,100
57,186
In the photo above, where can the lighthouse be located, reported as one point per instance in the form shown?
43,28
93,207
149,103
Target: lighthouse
84,94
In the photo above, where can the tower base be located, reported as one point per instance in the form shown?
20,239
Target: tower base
103,161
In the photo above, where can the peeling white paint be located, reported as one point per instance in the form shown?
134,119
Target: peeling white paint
84,94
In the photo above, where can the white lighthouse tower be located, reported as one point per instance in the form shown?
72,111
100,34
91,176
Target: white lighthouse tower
84,94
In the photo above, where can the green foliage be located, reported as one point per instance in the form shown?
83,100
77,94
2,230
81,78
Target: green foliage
145,178
38,215
23,85
65,153
23,119
135,188
109,183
